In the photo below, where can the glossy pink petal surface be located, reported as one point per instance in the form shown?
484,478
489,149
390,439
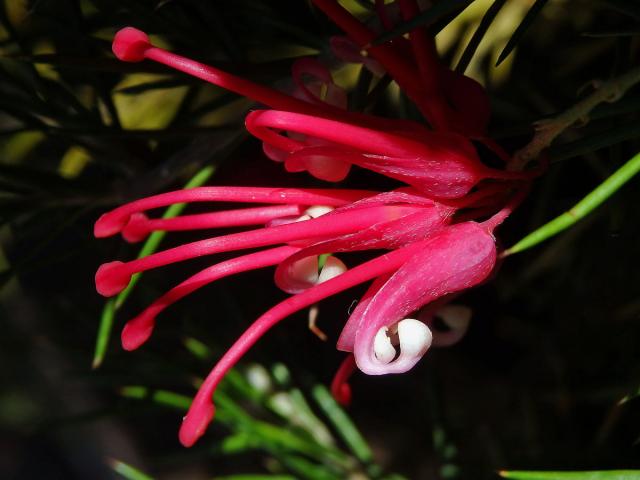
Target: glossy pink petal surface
457,258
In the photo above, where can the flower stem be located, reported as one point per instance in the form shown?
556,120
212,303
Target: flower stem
546,131
581,209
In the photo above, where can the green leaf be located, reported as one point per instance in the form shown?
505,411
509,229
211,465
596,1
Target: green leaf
521,30
150,246
425,18
479,34
581,209
127,471
161,397
255,477
342,423
592,475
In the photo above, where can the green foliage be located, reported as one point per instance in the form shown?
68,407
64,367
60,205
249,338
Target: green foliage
602,475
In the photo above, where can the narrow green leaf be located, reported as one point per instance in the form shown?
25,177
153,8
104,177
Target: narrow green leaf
592,475
165,398
255,477
127,471
150,246
582,208
521,30
479,34
425,18
630,396
342,423
196,348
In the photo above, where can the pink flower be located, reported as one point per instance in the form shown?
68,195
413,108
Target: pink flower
435,246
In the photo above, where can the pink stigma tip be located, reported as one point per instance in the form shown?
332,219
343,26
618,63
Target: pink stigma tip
136,332
195,423
343,395
135,230
108,225
110,280
130,44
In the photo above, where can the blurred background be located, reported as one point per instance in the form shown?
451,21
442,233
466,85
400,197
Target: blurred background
545,378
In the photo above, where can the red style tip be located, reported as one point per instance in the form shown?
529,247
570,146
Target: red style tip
195,423
130,44
136,229
342,395
108,225
136,332
110,280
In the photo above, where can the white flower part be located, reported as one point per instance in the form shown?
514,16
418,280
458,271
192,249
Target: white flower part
456,317
317,210
305,270
333,267
415,338
259,378
382,347
302,218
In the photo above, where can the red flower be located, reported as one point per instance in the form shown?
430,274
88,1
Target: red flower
435,244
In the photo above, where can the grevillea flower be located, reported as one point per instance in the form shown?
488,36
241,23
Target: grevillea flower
434,241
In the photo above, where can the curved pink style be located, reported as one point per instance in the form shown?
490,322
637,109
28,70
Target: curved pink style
113,277
114,221
139,329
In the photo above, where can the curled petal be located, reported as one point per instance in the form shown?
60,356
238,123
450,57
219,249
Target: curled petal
456,258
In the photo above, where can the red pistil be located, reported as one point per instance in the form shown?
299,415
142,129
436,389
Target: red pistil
139,225
138,330
340,388
111,278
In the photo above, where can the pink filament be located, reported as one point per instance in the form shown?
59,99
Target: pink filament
261,122
202,410
114,221
139,329
139,225
133,45
113,277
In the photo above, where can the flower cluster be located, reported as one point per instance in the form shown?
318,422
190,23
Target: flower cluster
435,231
